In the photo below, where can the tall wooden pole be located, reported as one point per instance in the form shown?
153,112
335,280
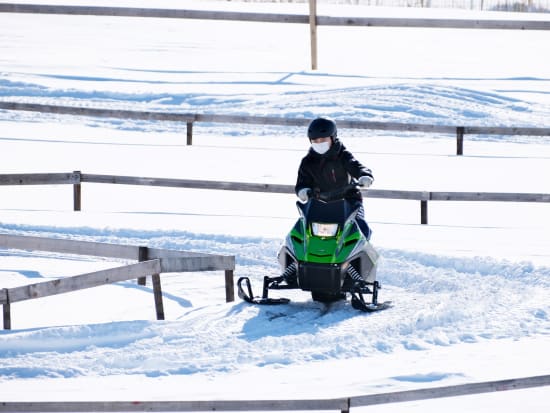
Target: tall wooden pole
313,32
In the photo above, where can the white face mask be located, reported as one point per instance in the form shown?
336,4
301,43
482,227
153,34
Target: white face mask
321,147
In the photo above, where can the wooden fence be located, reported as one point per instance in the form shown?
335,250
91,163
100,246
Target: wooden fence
152,262
190,118
527,24
312,18
76,179
343,404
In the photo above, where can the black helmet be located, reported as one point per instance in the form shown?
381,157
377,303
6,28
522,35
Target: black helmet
321,128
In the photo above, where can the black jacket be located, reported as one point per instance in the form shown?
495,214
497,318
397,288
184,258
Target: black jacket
330,171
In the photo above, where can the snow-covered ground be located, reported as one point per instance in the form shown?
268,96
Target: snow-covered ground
471,291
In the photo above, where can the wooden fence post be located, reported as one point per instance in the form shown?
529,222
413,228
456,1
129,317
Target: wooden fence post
7,311
347,409
77,192
143,254
313,32
424,212
189,133
460,140
424,198
157,292
229,286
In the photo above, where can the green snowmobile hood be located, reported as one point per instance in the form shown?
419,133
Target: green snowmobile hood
325,250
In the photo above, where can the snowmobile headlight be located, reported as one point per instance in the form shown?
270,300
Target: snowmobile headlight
324,230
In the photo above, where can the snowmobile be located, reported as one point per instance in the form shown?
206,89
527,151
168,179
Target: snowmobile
325,253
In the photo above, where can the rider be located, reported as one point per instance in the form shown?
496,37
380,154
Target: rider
329,166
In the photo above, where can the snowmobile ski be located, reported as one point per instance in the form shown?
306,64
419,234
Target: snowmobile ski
369,307
358,301
250,298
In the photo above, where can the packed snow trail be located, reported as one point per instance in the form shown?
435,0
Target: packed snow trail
438,301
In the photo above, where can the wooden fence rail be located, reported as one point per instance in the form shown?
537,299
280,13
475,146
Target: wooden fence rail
79,282
76,178
152,261
190,118
527,24
343,404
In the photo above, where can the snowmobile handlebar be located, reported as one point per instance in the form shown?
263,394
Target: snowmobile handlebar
334,195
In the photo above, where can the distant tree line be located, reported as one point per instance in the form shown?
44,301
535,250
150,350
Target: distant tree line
528,6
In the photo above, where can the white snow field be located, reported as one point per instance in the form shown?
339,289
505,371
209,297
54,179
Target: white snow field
471,290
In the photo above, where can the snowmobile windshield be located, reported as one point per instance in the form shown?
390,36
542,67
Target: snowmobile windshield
330,212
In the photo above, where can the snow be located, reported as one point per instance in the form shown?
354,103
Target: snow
471,290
